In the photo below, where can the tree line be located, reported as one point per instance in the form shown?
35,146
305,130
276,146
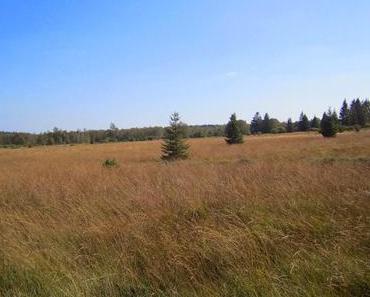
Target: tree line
113,134
174,146
353,115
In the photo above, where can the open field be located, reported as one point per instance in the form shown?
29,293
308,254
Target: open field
285,215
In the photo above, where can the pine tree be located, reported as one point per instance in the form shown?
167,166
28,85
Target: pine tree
304,123
315,122
344,114
174,146
329,124
353,113
256,124
232,131
357,113
289,126
361,113
266,124
366,108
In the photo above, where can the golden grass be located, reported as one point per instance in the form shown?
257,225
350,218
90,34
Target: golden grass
285,215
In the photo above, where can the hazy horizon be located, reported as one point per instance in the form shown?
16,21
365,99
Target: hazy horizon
84,64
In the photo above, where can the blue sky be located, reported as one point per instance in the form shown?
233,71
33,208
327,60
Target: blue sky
86,63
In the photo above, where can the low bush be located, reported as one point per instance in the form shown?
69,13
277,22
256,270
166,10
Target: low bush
110,163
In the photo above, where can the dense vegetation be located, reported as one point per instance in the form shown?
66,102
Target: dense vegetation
113,134
353,116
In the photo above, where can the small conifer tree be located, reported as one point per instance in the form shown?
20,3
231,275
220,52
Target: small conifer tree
357,113
174,146
266,124
289,126
345,114
315,122
256,124
304,123
329,124
366,107
232,131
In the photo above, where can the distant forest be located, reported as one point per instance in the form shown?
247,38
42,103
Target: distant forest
352,116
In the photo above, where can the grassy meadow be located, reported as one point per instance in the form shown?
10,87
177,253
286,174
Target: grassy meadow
284,215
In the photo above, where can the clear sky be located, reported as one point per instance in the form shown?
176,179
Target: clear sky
86,63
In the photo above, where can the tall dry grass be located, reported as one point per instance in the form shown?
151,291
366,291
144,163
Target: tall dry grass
277,216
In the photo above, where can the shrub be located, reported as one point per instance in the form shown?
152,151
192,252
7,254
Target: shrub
277,130
357,128
346,128
110,163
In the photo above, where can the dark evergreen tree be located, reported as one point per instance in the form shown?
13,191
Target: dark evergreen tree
174,146
366,108
344,114
304,123
357,113
315,122
267,124
361,113
232,131
353,113
329,124
256,124
289,126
